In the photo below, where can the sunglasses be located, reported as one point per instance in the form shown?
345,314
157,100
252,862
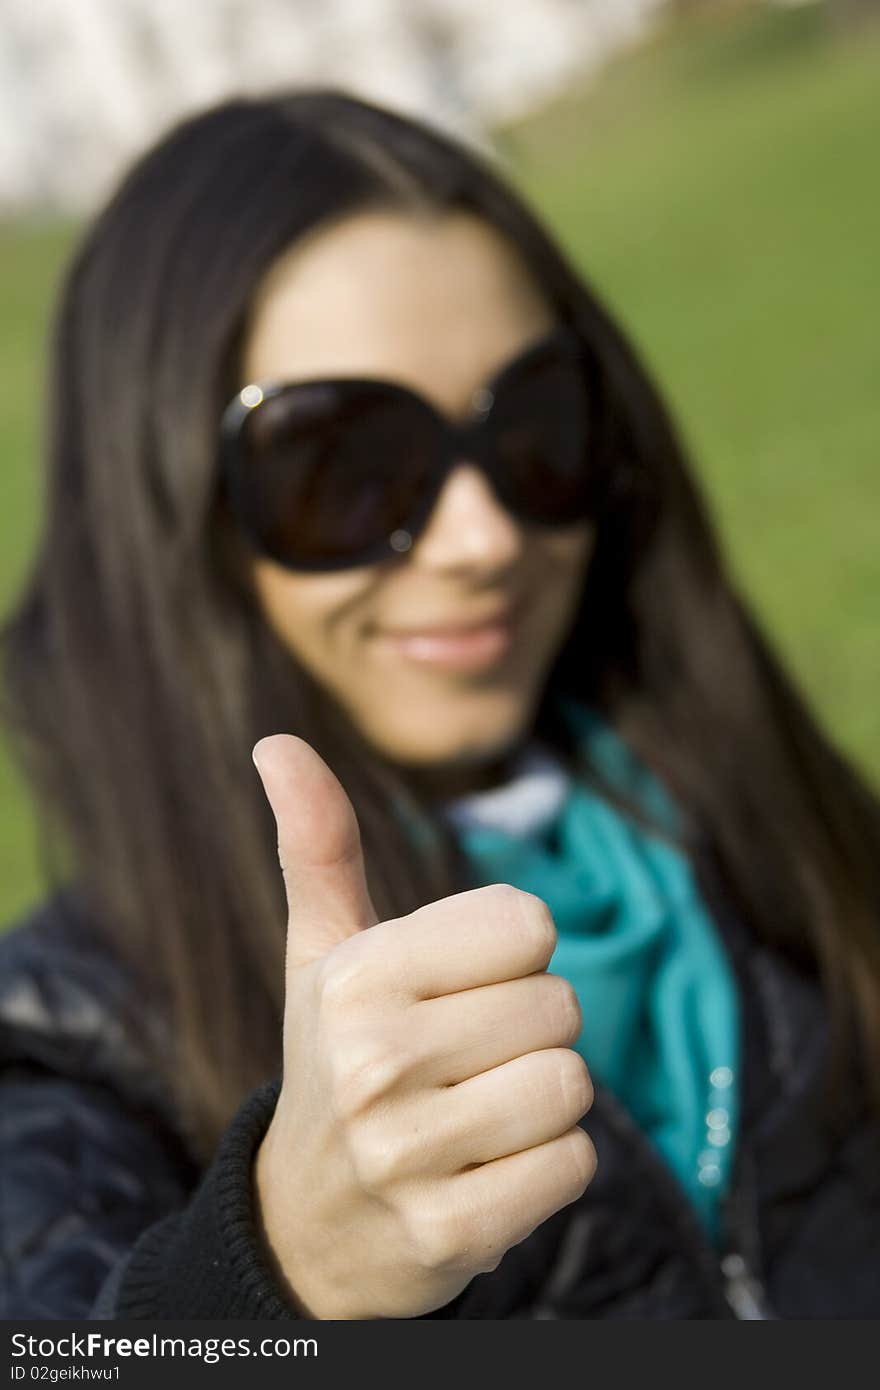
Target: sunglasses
327,474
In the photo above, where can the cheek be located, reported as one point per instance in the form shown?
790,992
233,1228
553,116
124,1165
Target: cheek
563,559
310,612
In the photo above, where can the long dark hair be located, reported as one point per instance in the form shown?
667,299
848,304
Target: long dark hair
139,672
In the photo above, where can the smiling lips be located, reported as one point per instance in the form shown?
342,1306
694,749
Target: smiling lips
463,647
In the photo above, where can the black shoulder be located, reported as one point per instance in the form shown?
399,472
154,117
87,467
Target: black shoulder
69,1007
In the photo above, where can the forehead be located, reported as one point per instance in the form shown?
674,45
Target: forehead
435,300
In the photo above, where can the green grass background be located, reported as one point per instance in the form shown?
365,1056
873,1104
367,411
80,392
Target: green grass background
719,188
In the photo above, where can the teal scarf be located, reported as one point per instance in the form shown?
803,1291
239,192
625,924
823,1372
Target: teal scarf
660,1007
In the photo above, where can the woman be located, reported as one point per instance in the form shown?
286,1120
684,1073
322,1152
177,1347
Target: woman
342,448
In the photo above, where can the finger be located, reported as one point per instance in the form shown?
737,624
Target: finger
528,1101
507,1199
479,937
319,847
470,1032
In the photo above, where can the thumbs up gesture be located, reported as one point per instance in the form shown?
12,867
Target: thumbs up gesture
428,1116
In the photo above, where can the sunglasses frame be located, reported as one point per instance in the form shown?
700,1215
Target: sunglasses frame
469,439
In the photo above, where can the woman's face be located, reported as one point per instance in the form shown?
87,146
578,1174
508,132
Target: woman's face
437,303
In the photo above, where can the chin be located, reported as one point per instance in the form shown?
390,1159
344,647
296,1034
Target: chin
463,742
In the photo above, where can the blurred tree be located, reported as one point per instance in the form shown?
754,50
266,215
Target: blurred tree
688,7
854,11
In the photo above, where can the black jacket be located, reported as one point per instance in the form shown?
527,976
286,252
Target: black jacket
104,1213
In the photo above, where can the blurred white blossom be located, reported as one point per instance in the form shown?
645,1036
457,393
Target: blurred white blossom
84,84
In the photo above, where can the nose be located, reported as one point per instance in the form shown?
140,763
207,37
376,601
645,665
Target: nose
469,528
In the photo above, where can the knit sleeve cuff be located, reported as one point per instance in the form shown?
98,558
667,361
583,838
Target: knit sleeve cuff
207,1260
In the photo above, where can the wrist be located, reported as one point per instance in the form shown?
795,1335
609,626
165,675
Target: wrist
286,1246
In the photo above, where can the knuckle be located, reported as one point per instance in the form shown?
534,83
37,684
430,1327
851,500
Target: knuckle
347,976
574,1082
338,982
580,1156
540,927
364,1068
528,914
438,1241
376,1157
490,1261
563,1001
505,897
501,902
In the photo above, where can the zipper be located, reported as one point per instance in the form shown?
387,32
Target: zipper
732,1283
744,1291
743,1288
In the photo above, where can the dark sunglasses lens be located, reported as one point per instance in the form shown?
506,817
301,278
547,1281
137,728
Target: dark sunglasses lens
541,426
330,470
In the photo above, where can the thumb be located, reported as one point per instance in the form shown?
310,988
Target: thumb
319,848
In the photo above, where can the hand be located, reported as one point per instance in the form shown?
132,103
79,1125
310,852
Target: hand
428,1116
